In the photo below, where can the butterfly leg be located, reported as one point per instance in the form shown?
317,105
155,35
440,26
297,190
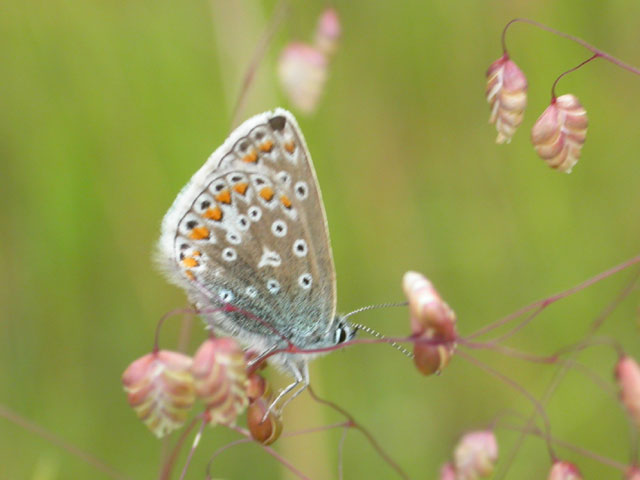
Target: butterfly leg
259,358
303,383
300,372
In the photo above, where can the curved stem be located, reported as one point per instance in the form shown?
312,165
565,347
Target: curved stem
560,373
29,426
177,311
247,439
569,446
579,41
545,302
196,441
516,386
343,437
580,65
353,424
165,473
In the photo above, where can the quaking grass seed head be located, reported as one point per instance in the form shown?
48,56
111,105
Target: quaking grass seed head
506,92
559,133
475,455
160,388
627,373
562,470
220,376
433,324
264,431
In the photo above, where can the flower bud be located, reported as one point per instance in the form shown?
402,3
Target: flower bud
632,474
559,133
328,32
564,471
506,93
160,388
628,376
302,70
475,455
432,322
427,309
220,378
265,432
447,472
256,387
430,359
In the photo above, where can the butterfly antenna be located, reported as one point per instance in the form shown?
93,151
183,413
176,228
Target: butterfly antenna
375,333
376,307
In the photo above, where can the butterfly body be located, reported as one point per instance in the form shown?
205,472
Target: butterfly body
247,240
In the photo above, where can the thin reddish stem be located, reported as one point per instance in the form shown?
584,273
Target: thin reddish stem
323,428
343,437
569,446
559,374
177,311
54,439
519,388
580,65
545,302
554,358
273,453
165,472
353,424
579,41
196,441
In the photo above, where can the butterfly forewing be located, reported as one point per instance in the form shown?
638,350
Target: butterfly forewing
249,230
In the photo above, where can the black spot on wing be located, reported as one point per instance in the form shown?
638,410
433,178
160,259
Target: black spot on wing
277,123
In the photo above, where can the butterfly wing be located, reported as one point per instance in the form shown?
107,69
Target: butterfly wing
249,230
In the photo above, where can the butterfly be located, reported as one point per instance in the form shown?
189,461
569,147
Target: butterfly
247,239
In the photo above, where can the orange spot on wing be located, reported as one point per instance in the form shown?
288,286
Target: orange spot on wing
251,157
190,262
224,196
267,146
290,147
200,233
241,187
285,201
196,253
190,275
267,193
213,214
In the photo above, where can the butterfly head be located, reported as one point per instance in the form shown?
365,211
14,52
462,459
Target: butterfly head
342,331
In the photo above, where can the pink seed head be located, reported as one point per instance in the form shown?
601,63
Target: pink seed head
560,132
160,389
632,474
475,455
432,322
561,470
268,431
220,376
328,32
628,376
303,71
427,309
447,472
506,92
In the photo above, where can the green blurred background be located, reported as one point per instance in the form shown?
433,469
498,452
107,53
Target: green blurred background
106,110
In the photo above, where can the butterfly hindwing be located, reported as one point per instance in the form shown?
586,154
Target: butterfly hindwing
249,230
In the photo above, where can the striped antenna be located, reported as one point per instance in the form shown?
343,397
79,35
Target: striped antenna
375,333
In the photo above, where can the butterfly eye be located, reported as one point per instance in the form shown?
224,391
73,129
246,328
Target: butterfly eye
341,334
